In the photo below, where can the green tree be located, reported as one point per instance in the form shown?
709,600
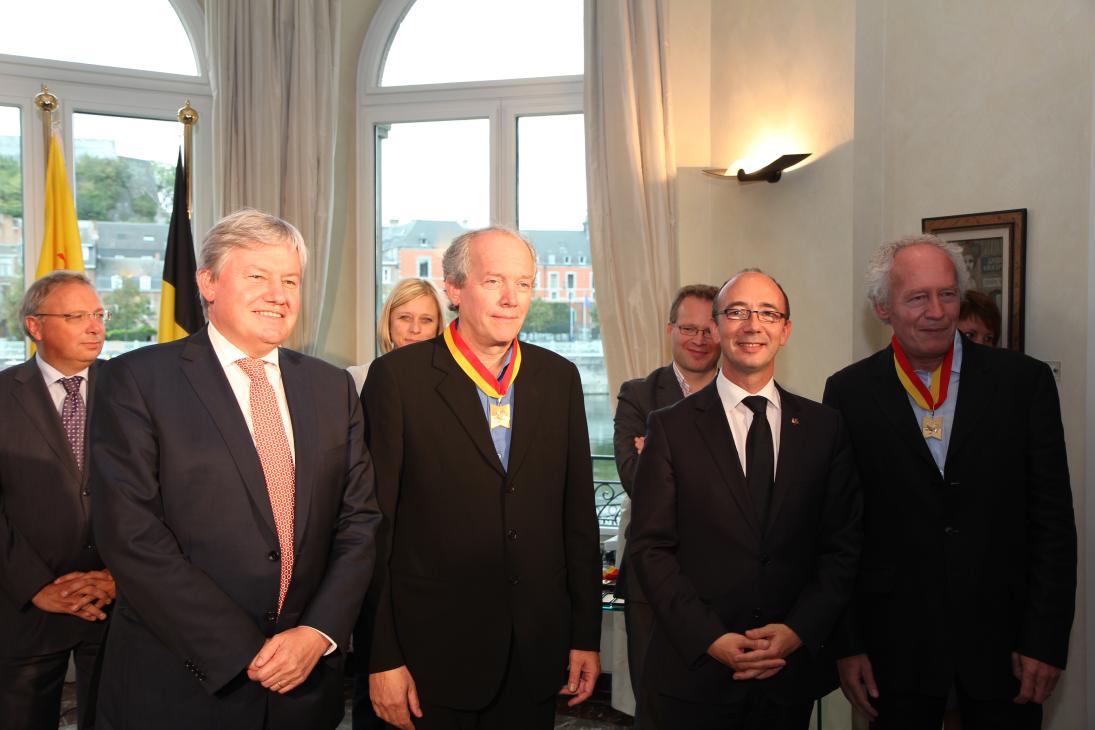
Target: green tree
102,188
129,308
11,187
548,317
11,297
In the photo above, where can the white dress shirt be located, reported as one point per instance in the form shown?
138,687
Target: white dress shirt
740,417
52,377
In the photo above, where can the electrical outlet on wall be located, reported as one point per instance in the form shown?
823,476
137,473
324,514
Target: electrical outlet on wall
1055,366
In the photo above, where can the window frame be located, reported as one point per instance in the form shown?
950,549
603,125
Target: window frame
501,102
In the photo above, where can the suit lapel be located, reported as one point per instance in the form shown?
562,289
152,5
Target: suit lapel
669,390
34,398
893,401
92,374
790,443
459,394
715,434
528,402
206,376
303,413
975,389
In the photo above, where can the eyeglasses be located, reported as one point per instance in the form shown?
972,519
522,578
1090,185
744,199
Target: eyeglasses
768,316
690,331
103,315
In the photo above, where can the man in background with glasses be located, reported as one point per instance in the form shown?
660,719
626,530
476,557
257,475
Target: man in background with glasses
53,587
745,534
691,333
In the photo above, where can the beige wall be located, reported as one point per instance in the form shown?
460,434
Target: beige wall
912,108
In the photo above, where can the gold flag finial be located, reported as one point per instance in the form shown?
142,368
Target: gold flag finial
45,101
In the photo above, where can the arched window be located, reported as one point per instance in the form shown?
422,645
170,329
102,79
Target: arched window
470,114
118,95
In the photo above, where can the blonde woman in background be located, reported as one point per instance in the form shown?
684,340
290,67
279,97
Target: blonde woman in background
412,313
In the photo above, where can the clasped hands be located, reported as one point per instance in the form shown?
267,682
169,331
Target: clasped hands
758,653
286,659
81,593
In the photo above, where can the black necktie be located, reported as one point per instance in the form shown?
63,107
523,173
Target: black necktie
759,454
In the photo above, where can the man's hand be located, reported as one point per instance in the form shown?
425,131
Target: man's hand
395,697
80,593
640,441
286,659
781,640
585,667
857,682
1036,679
737,652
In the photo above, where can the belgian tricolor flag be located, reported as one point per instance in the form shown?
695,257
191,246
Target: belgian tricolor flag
180,308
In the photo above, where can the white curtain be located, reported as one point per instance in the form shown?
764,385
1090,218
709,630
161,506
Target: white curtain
631,171
274,69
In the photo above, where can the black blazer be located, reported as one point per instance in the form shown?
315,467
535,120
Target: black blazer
960,568
45,515
709,567
472,555
636,400
183,519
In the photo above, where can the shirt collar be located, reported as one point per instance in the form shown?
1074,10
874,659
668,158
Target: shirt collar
956,361
52,374
732,395
227,353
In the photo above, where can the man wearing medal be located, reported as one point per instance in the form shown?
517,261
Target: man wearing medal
967,581
487,598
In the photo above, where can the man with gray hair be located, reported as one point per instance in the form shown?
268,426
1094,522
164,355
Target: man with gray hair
967,584
487,597
53,587
233,501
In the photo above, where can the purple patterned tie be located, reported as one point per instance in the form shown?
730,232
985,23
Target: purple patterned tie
73,417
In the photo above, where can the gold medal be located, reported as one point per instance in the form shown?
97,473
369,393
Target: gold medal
932,427
499,416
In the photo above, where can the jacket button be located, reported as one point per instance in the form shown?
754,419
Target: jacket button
952,531
512,534
756,614
271,616
511,489
514,581
765,560
84,493
273,556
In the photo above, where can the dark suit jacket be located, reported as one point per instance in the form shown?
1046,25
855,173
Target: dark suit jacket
472,555
960,569
183,519
637,399
45,515
709,567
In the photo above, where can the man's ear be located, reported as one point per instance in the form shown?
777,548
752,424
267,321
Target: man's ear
206,280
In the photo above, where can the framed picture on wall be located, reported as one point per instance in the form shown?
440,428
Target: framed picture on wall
994,246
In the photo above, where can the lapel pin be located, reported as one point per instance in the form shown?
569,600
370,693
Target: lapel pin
794,420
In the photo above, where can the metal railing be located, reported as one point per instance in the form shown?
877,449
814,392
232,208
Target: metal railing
608,495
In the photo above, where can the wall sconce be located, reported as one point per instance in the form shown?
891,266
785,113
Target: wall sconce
771,172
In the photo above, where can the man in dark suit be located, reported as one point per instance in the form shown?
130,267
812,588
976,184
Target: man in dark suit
693,337
969,559
745,534
53,587
233,500
488,575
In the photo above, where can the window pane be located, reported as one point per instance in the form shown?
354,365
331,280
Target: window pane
433,184
12,344
551,210
125,174
441,41
104,32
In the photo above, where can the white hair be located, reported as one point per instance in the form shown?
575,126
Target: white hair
880,266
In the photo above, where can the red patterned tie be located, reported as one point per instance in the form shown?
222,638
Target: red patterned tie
276,460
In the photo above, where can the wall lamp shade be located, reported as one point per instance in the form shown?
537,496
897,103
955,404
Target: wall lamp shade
771,172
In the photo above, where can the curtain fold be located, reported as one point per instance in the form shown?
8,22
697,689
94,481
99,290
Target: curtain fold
274,70
631,172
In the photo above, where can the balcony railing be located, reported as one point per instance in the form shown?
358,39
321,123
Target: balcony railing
608,492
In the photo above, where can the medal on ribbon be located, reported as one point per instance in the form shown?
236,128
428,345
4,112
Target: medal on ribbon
927,397
483,378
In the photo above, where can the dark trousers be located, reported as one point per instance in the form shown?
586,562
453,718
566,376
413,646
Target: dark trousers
513,707
639,625
755,712
906,711
362,715
30,687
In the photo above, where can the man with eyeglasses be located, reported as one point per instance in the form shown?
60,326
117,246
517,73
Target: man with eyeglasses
966,594
745,534
54,589
691,333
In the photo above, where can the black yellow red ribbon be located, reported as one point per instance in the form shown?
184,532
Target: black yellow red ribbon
474,368
928,398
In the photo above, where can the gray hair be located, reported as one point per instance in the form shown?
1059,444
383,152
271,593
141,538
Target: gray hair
880,266
40,290
457,259
247,228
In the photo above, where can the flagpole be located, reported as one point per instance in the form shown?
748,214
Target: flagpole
188,117
47,102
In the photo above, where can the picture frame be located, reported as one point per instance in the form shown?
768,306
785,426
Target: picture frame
994,245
